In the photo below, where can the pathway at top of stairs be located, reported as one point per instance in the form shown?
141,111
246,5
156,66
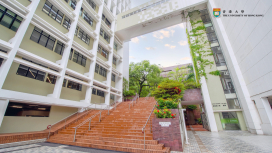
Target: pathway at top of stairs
121,130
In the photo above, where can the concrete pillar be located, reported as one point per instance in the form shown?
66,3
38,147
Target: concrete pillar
16,41
88,95
126,61
109,4
66,53
208,105
3,108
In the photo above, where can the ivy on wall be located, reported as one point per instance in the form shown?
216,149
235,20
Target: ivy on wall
198,48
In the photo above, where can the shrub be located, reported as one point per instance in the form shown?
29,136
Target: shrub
128,93
191,85
192,107
167,104
165,113
169,89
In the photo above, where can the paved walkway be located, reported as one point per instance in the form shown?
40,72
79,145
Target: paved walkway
200,142
227,142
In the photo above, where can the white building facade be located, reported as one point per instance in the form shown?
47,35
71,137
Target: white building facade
57,57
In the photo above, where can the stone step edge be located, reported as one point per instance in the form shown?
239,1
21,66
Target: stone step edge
126,148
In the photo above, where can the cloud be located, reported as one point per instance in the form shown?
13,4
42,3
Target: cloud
186,58
172,31
161,34
181,25
132,57
150,48
135,40
178,25
143,37
182,43
171,47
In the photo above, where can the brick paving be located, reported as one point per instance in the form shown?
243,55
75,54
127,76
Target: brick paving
214,142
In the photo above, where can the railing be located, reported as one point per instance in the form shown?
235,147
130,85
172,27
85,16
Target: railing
134,100
147,97
66,119
143,129
90,119
183,129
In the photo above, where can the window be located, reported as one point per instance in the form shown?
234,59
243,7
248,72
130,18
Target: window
59,47
106,21
66,23
1,61
51,79
96,68
92,4
43,38
83,36
78,58
114,60
113,77
53,12
100,93
94,91
103,71
9,19
27,110
105,35
74,85
73,3
115,46
86,17
102,51
30,72
111,96
64,83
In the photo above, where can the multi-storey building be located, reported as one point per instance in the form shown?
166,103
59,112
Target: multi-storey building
57,56
183,69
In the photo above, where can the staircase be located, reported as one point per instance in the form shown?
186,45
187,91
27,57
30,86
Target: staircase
119,131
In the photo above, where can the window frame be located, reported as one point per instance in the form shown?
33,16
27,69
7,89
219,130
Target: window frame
43,34
14,19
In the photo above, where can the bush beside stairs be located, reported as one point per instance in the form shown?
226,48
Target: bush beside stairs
121,130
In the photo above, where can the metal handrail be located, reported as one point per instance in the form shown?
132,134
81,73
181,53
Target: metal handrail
90,119
143,129
147,97
65,120
134,100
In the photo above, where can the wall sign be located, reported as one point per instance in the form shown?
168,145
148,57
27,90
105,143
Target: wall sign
165,124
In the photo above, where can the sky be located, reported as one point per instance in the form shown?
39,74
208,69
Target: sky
165,47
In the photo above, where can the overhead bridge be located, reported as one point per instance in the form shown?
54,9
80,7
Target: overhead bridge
153,16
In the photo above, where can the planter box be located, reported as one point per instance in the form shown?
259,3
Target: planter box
167,131
192,95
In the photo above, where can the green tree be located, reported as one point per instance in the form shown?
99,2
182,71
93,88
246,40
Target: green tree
143,74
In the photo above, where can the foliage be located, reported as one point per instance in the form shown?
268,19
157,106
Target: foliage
198,49
179,74
143,74
128,93
169,89
165,113
216,73
192,107
125,84
199,121
167,104
191,84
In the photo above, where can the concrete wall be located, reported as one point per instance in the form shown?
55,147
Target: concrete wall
5,33
246,44
26,124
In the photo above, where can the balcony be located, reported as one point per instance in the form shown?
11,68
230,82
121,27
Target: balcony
108,13
227,82
107,28
219,59
233,103
90,11
16,7
64,8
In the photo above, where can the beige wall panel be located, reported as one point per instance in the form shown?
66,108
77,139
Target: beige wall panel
114,66
113,84
99,77
218,122
13,124
79,68
72,94
102,39
24,2
241,121
97,99
27,85
6,34
102,57
48,19
36,48
83,44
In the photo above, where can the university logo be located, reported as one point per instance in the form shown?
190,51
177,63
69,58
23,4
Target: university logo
216,12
